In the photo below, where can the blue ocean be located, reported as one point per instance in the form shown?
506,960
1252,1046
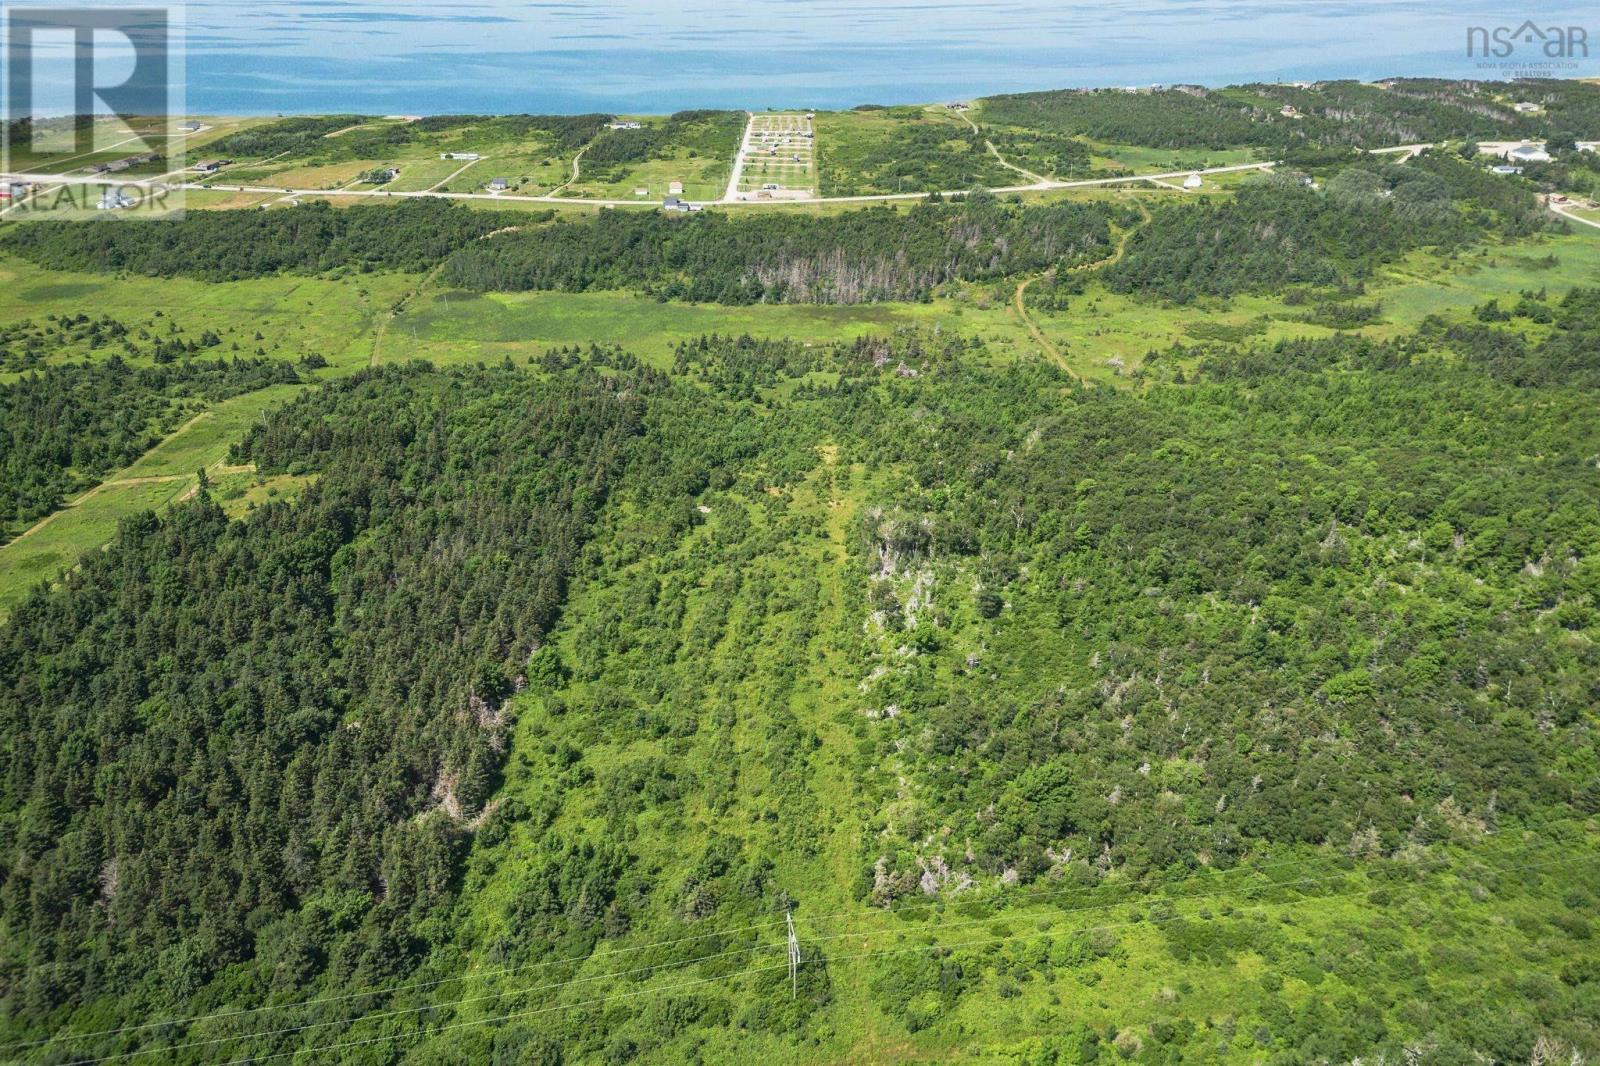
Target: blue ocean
400,56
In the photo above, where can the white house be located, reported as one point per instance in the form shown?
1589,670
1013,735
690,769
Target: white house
1528,153
1192,182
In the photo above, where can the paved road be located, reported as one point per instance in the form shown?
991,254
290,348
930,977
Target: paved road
573,201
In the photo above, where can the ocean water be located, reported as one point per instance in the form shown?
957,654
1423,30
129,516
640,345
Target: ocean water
406,56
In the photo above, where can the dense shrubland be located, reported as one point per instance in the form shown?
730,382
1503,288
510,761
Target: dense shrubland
1278,232
1328,113
693,133
912,157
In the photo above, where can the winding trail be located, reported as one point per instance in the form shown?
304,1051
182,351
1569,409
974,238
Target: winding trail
1019,305
399,307
1570,217
998,158
1019,308
568,183
82,497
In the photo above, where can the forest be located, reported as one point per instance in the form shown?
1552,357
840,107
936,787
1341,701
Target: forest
228,245
533,666
856,257
1326,113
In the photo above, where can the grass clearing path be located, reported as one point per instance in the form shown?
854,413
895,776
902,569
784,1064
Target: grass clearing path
1019,306
162,476
998,158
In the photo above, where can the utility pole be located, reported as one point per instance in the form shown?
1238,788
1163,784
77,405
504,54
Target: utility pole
794,957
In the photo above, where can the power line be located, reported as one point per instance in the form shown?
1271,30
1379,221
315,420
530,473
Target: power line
998,894
402,1012
368,1041
792,964
412,987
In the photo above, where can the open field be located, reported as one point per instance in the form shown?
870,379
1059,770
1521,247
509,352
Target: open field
1105,335
82,526
1140,160
454,327
296,316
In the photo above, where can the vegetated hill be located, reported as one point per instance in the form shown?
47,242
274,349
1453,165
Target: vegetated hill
228,245
855,257
1279,232
1246,717
1281,117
